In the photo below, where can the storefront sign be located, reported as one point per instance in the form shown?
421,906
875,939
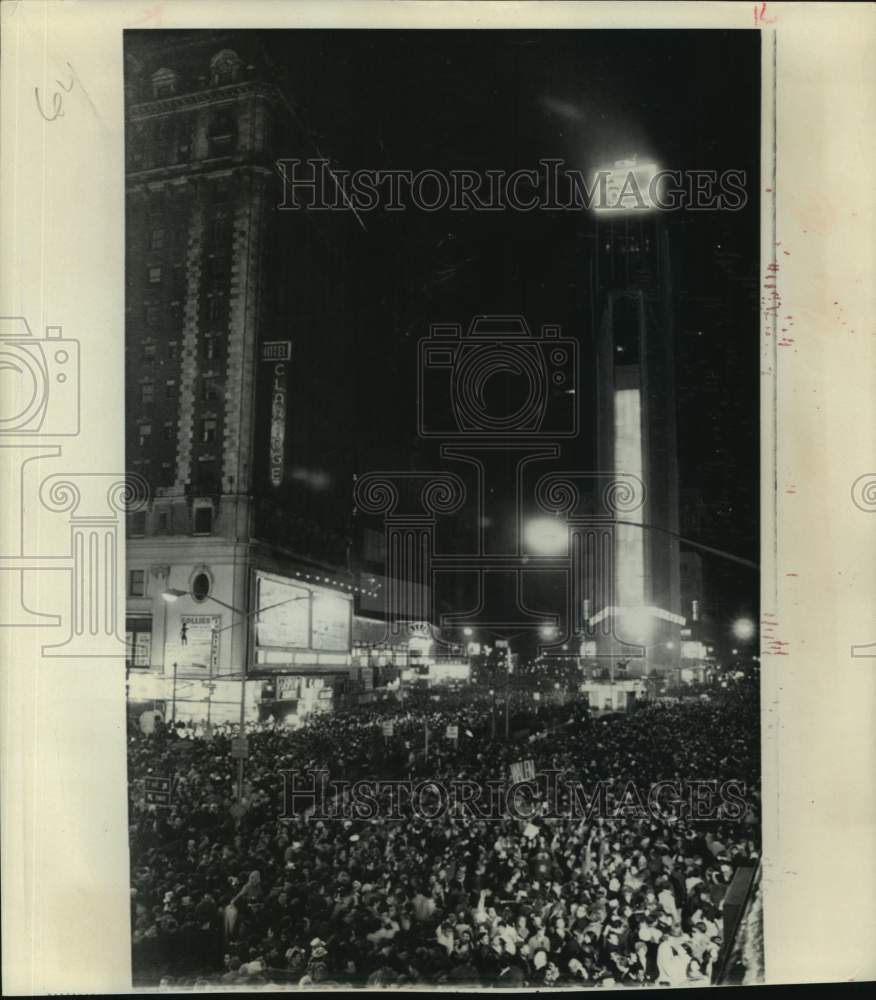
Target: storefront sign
278,425
288,688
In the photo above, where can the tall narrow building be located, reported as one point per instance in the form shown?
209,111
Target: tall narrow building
235,335
637,434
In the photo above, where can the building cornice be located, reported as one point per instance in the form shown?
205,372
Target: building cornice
186,173
204,98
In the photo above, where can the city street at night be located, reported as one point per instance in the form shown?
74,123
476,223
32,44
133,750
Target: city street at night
443,613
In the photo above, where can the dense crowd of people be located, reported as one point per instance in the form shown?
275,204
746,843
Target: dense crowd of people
256,896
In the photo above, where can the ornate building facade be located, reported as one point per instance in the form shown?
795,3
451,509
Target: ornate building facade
235,399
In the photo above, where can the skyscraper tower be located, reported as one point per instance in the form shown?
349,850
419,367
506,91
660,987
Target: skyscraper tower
199,117
636,427
234,359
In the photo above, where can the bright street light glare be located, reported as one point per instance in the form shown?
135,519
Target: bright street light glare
743,628
638,623
467,631
547,536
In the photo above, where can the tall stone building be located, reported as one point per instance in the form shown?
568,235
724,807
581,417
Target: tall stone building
235,398
636,429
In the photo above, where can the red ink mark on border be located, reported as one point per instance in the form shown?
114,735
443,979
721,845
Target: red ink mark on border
760,15
152,14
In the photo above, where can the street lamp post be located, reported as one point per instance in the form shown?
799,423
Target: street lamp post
507,697
173,698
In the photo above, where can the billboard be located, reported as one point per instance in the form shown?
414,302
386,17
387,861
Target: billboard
331,622
295,616
284,614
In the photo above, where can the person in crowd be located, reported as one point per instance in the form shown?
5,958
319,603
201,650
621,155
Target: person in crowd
248,894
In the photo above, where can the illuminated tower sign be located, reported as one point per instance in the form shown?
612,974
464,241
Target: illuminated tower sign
636,425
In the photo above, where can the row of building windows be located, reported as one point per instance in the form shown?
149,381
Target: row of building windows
200,523
149,352
166,221
215,310
217,267
165,476
210,389
207,479
217,274
206,432
153,314
147,391
156,278
160,238
172,143
211,349
138,580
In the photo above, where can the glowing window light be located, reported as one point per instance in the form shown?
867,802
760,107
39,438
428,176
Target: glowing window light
630,545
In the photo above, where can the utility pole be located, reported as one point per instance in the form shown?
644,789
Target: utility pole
210,686
241,733
173,698
507,693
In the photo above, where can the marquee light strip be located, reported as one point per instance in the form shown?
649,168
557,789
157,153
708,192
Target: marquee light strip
314,578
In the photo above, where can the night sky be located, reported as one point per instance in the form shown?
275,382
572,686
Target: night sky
503,100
